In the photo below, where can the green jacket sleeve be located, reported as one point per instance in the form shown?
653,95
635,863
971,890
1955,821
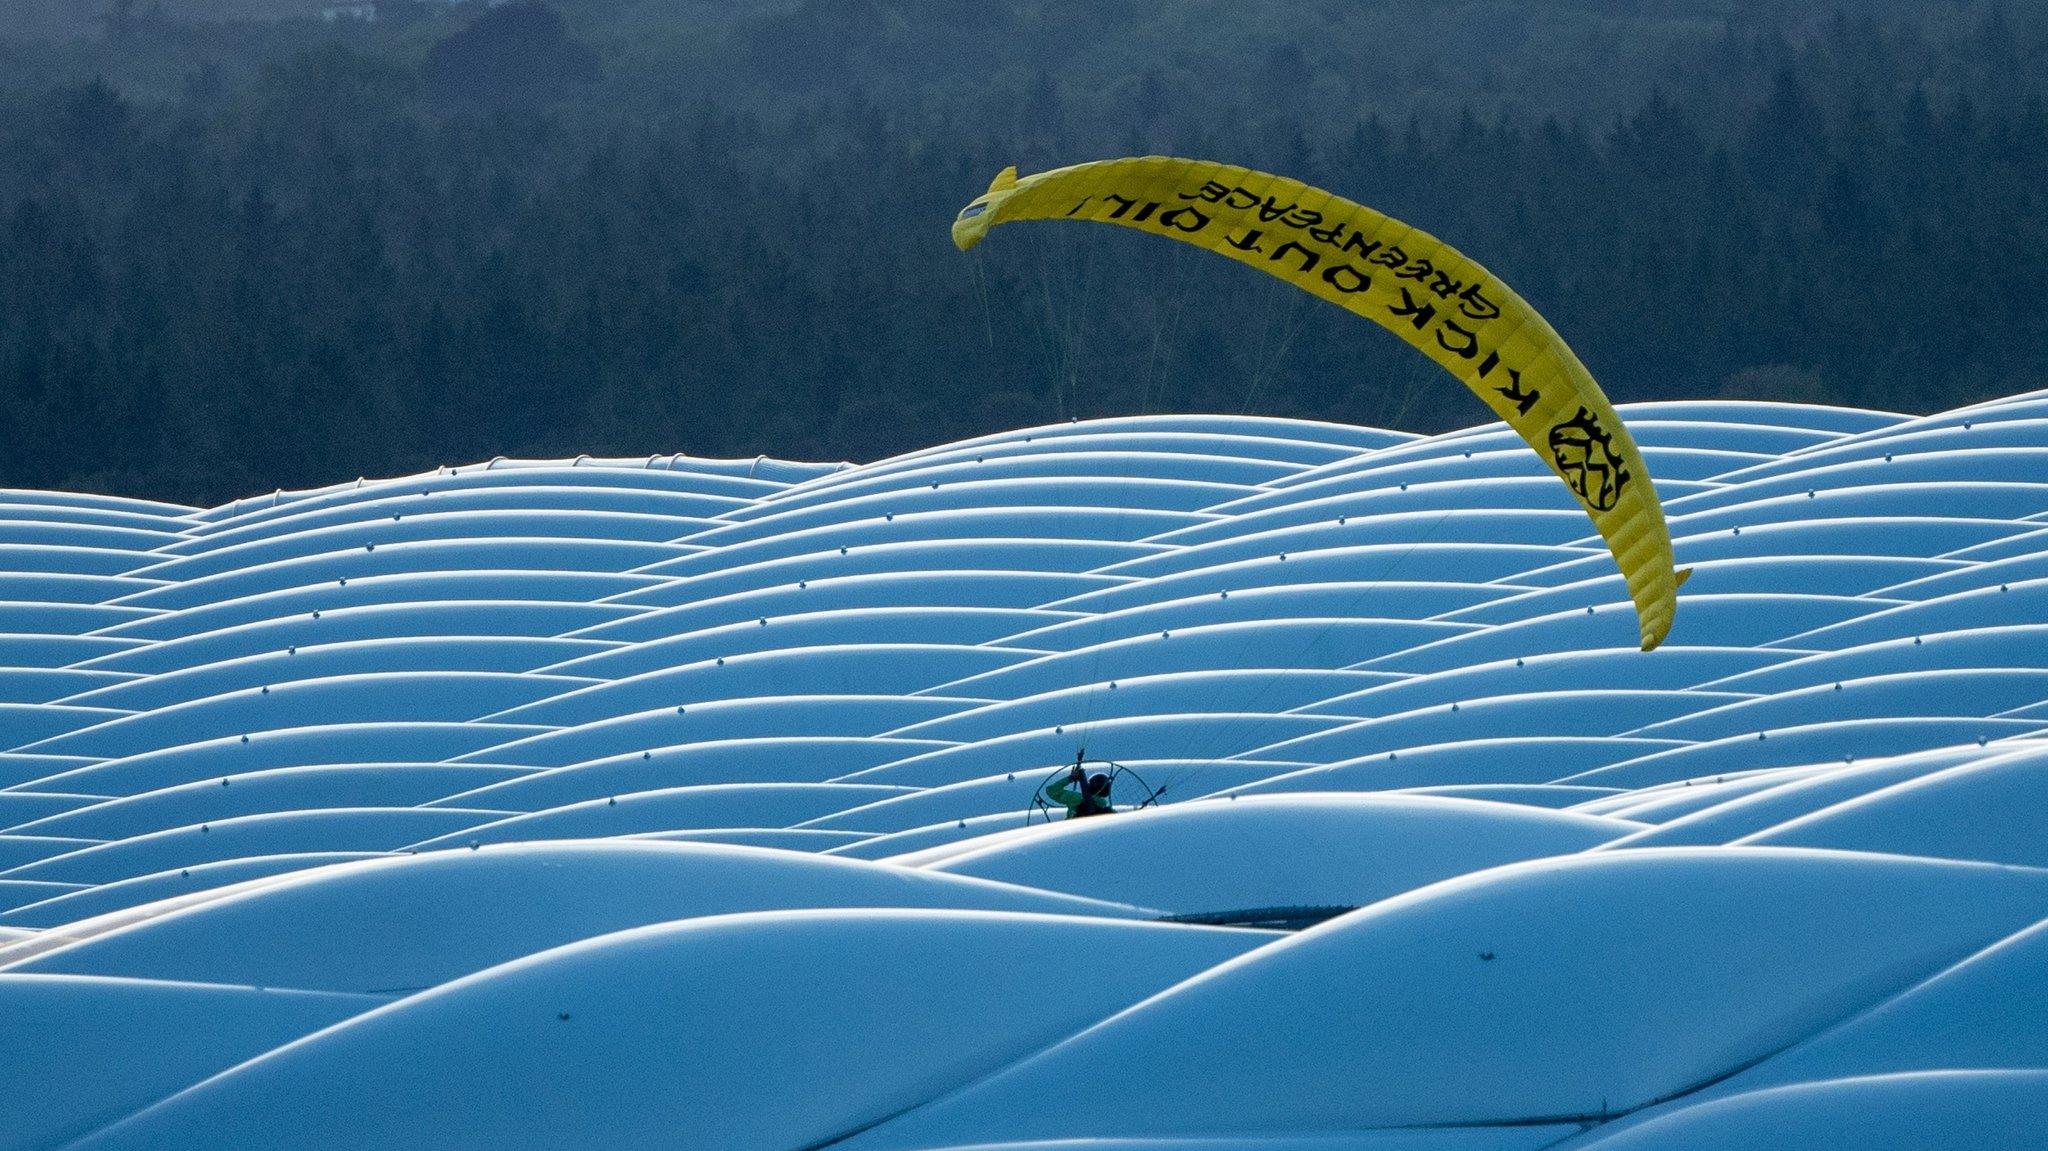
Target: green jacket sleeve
1059,791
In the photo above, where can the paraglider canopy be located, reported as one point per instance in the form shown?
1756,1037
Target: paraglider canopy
1441,303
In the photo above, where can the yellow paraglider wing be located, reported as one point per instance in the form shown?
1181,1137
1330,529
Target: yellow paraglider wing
1445,305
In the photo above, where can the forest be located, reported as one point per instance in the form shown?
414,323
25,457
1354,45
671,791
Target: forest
252,244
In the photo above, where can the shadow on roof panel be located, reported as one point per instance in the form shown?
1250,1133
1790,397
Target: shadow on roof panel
1318,850
1652,925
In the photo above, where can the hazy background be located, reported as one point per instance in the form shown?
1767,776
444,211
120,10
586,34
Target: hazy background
248,244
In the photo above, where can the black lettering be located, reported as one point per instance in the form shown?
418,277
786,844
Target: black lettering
1346,279
1304,218
1122,205
1486,365
1250,242
1145,213
1418,314
1467,345
1514,394
1184,219
1418,269
1210,192
1476,306
1393,257
1309,259
1444,286
1250,201
1356,242
1329,235
1270,211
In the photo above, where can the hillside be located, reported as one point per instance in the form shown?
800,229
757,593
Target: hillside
250,255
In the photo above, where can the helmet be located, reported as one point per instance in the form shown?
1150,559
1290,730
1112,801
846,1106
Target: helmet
1097,784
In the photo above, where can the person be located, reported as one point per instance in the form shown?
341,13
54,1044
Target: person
1083,792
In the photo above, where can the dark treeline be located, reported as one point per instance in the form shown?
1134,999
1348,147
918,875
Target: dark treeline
298,252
